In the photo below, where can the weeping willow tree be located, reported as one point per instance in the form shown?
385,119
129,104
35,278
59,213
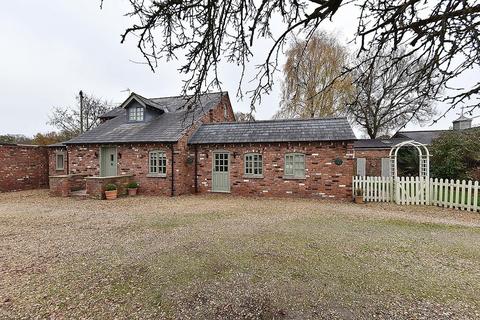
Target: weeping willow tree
312,86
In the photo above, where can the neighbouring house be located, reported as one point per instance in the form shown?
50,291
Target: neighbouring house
170,150
373,155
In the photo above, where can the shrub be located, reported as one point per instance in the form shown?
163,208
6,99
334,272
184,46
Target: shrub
456,154
132,185
110,187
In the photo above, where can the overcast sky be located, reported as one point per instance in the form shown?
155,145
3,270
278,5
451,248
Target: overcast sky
51,49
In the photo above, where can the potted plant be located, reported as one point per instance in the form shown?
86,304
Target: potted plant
111,191
132,188
359,196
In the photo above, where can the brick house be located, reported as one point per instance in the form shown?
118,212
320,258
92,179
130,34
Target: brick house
372,155
170,150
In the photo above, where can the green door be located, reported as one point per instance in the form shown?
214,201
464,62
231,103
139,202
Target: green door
108,161
220,172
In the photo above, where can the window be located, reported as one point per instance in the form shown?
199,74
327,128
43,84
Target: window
385,167
60,161
135,114
253,164
157,163
361,164
295,165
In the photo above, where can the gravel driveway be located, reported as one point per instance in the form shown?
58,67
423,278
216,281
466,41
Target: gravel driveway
222,257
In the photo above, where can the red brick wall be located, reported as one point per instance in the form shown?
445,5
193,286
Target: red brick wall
323,179
373,160
23,167
184,155
132,159
52,162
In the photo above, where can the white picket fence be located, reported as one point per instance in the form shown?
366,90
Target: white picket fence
446,193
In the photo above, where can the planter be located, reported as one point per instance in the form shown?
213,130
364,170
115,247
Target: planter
111,195
359,199
132,192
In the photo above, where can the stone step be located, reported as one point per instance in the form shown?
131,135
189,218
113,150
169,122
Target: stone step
79,194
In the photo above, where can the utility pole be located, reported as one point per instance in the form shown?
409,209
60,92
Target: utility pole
81,111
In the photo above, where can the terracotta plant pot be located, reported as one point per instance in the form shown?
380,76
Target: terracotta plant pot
132,192
359,199
111,195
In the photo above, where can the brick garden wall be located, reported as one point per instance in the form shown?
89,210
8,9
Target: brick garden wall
23,167
324,179
373,160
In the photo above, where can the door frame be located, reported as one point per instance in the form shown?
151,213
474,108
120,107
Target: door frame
102,169
228,171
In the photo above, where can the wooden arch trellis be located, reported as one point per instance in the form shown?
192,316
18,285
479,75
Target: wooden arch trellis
423,157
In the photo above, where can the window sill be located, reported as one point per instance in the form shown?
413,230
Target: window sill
156,175
293,178
246,176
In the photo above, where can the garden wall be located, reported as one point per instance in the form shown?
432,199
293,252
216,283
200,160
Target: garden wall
23,167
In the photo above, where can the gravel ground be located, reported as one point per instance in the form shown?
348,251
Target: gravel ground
222,257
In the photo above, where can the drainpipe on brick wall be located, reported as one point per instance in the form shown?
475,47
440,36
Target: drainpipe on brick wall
196,169
173,170
68,160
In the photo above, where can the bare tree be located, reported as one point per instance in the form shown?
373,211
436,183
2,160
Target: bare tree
313,67
388,96
68,121
244,117
443,33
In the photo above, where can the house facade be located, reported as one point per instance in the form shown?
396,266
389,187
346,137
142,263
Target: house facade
173,146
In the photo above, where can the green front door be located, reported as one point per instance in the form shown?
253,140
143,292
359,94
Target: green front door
220,172
108,161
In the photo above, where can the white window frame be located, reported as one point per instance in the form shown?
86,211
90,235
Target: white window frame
157,163
136,114
297,168
253,165
57,163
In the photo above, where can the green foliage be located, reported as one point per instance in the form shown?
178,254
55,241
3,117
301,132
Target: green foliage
408,162
455,154
110,187
132,185
15,138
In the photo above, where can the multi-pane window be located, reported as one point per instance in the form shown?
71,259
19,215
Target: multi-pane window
253,164
157,163
295,165
60,161
135,114
221,162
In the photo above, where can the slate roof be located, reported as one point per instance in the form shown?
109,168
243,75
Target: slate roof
377,143
166,127
425,137
322,129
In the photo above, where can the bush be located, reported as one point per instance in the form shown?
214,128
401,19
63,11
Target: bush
110,187
456,154
132,185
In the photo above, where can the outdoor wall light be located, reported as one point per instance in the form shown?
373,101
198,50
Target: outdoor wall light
338,161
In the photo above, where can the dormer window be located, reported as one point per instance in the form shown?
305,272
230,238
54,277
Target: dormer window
136,114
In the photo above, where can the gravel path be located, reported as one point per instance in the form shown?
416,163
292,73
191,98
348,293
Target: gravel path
222,257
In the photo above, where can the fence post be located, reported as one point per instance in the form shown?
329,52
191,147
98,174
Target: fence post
475,196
